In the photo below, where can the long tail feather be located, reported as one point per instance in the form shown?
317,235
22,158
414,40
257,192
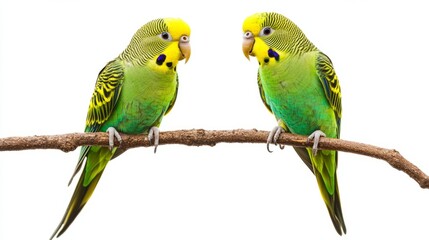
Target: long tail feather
80,197
333,204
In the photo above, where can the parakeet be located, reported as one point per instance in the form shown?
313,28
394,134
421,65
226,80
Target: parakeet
298,84
132,94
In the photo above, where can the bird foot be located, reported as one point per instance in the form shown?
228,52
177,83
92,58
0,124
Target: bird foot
274,136
112,134
315,136
154,135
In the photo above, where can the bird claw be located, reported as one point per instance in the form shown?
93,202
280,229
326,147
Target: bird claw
154,135
315,136
112,134
274,136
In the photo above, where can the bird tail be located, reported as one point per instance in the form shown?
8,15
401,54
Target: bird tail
333,204
80,197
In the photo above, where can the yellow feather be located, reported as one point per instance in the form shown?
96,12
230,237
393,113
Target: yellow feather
253,23
177,28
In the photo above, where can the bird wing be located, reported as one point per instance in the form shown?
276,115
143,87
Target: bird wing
327,161
262,94
105,96
103,101
331,86
173,101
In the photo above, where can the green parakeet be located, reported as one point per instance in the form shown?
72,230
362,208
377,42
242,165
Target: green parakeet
132,94
298,84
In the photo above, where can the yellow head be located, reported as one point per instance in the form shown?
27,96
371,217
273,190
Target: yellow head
180,32
161,43
271,35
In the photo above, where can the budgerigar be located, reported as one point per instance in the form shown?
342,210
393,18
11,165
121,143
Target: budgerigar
298,84
132,94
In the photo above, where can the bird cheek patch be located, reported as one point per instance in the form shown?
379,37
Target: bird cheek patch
273,54
161,59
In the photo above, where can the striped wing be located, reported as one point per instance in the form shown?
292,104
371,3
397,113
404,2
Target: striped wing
330,84
103,101
330,192
105,96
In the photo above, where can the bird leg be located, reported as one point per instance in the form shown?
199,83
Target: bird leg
274,136
112,134
315,136
154,135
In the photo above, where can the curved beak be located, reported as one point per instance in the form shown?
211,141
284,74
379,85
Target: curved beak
248,42
185,48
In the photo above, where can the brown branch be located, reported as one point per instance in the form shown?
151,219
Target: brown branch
200,137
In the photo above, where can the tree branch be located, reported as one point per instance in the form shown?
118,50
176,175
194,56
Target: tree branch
200,137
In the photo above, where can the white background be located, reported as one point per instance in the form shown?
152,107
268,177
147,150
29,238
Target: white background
51,53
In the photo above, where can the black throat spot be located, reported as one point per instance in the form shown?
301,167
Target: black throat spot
161,59
273,54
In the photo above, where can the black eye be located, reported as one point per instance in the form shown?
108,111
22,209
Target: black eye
266,31
165,36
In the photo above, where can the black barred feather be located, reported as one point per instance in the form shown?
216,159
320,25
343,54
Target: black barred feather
330,83
147,38
106,94
285,29
103,101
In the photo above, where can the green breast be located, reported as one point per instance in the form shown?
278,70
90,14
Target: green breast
144,99
295,95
